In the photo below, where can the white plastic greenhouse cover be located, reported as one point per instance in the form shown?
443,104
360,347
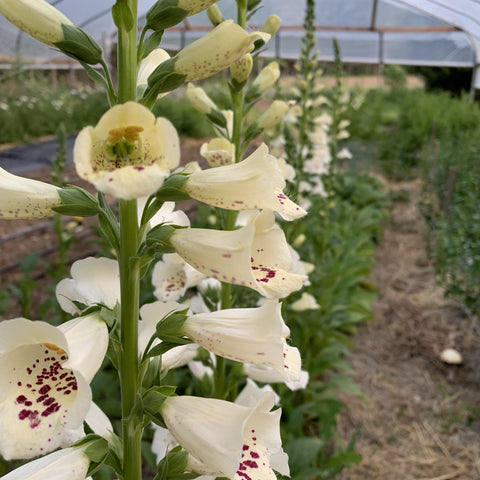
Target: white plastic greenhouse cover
408,32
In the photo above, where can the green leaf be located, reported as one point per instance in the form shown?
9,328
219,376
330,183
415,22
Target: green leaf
123,15
164,14
150,44
171,190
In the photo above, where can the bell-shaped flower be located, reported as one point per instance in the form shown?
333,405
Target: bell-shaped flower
218,152
129,153
273,115
267,77
37,18
166,214
147,66
226,439
254,183
247,335
71,463
215,51
26,198
264,374
172,276
199,99
45,390
305,302
94,281
256,256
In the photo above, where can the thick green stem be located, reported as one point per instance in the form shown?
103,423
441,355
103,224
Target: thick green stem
130,287
129,269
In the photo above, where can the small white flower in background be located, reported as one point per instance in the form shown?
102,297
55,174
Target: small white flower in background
172,276
45,390
218,152
254,183
94,281
37,18
70,463
147,66
226,439
25,198
288,171
343,124
150,315
166,214
199,99
263,374
253,335
256,256
323,120
129,153
305,302
215,51
344,153
342,135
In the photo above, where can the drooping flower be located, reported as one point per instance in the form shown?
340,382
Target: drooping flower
26,198
264,374
45,390
218,152
129,153
37,18
166,214
71,463
172,276
215,51
256,256
252,335
254,183
94,281
226,439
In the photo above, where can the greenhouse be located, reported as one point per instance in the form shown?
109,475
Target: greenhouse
238,240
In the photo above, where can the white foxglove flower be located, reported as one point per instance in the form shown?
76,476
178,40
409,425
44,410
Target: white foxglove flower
45,390
151,314
305,302
166,215
344,153
252,393
256,256
226,439
71,463
288,171
94,281
215,51
147,66
26,198
254,183
263,374
199,99
267,77
218,152
37,18
273,115
129,153
247,335
172,276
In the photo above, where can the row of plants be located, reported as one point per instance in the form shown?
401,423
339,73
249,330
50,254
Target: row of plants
435,136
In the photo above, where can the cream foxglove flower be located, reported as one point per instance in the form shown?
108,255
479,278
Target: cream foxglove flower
215,51
195,6
305,302
45,390
218,152
271,25
172,276
267,77
254,183
200,100
241,69
37,18
247,335
273,115
26,198
147,66
263,374
94,281
256,256
225,439
71,463
166,214
129,153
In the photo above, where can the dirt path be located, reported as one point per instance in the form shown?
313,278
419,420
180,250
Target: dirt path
422,421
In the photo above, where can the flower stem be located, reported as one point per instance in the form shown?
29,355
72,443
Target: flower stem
129,269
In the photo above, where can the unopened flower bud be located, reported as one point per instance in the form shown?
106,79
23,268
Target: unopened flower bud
215,15
267,77
273,114
199,99
299,241
240,70
272,25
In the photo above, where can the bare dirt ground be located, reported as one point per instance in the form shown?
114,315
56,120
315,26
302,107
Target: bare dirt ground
421,421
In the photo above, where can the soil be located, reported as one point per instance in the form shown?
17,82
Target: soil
422,417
